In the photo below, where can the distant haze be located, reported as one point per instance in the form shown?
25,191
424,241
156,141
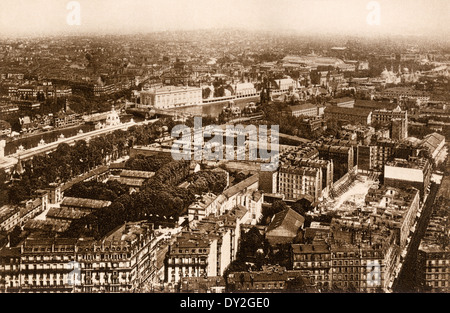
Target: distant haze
48,17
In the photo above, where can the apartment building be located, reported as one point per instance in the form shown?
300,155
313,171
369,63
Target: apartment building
295,182
122,262
397,118
433,268
9,270
433,261
400,93
412,172
365,245
358,268
316,258
340,153
191,255
373,157
270,279
244,193
394,207
208,248
45,265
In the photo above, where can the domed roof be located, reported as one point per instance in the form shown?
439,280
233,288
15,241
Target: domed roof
295,96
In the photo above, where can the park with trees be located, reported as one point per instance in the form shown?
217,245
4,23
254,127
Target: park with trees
67,161
161,201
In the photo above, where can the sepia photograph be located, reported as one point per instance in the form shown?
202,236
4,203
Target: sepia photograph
225,152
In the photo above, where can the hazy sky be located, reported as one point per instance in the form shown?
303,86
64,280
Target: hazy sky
28,17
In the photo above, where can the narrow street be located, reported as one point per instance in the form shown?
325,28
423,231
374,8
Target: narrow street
406,280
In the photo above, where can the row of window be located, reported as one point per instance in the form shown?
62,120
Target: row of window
46,266
437,276
190,251
338,266
312,257
346,270
439,284
83,257
274,285
9,267
48,283
32,258
339,255
438,262
320,277
361,284
297,178
104,256
297,186
349,277
180,273
438,269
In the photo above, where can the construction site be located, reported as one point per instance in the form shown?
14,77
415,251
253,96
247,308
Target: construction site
351,194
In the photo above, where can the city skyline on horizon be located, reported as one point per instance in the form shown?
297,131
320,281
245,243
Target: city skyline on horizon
126,17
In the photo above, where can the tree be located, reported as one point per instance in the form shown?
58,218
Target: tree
207,181
333,128
269,211
252,246
41,174
108,191
302,206
16,126
19,192
15,236
62,158
297,284
206,92
281,256
147,163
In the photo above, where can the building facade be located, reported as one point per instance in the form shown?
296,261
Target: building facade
9,217
122,262
171,97
414,172
316,258
191,255
351,115
295,182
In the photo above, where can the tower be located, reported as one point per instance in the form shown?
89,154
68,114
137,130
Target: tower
399,128
266,94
